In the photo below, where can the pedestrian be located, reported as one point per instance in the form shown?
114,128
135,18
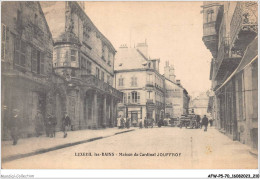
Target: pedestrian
140,123
53,123
211,122
205,122
14,126
122,123
127,124
46,125
38,124
198,121
65,124
145,122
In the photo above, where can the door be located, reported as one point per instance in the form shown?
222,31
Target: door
134,117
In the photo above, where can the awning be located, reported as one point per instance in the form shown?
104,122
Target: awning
250,55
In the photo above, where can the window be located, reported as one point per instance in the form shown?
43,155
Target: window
135,97
108,79
58,54
83,63
102,76
97,72
34,60
124,98
20,52
134,81
129,97
103,53
209,15
37,61
149,79
3,44
89,67
73,54
121,81
73,73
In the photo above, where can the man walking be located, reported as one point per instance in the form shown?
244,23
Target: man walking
14,126
205,122
53,123
65,124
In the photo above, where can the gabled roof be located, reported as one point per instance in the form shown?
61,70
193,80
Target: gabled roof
129,58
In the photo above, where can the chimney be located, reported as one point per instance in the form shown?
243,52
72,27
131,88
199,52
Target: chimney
178,82
143,47
123,46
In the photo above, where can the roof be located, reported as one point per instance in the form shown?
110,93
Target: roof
185,91
129,58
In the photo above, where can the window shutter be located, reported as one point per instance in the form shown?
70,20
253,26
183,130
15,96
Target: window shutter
129,97
138,97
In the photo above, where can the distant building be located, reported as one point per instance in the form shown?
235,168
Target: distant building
230,32
199,105
26,59
176,96
138,77
84,58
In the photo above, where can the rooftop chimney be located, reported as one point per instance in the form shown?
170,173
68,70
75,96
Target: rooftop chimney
143,47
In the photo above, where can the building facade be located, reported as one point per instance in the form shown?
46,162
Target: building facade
199,105
176,96
139,79
84,59
230,33
26,59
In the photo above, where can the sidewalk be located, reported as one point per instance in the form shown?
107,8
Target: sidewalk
37,145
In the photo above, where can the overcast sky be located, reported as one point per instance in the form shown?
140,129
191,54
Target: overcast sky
173,31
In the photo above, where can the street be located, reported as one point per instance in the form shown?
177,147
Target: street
177,149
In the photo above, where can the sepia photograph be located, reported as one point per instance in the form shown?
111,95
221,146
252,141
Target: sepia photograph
129,85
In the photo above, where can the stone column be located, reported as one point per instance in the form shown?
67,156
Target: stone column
95,108
105,111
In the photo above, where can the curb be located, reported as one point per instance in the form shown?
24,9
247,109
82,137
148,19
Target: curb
255,154
124,132
41,151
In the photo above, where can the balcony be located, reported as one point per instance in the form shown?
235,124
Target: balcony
243,26
224,62
210,37
93,82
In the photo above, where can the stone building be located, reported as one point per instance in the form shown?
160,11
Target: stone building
138,77
83,63
230,33
199,104
26,59
176,96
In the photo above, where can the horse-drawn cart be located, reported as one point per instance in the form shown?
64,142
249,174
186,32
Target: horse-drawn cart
188,122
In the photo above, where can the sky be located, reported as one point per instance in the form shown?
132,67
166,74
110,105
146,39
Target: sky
173,31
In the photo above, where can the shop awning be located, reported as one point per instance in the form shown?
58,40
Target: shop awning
250,55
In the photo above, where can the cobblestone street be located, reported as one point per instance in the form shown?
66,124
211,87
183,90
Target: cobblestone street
177,149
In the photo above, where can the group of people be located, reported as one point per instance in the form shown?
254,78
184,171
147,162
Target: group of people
124,123
204,122
48,124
